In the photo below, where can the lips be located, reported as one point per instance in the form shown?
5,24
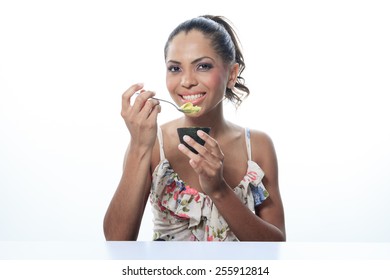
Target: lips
194,98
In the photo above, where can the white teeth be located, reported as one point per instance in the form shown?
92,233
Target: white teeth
192,97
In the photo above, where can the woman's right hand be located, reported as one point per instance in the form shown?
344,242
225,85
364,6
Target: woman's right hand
141,117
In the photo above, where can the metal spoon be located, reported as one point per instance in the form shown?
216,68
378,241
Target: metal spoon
173,104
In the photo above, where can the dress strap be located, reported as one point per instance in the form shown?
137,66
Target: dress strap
161,142
248,143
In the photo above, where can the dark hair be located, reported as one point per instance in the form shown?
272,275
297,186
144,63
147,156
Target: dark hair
226,44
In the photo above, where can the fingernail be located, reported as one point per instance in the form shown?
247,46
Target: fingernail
200,132
181,146
186,138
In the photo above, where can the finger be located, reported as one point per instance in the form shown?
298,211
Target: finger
201,166
198,147
212,153
191,155
148,107
212,144
204,162
141,99
153,112
126,96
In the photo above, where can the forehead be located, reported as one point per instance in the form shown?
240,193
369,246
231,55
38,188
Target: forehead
191,45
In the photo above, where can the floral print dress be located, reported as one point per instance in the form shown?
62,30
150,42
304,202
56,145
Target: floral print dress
181,213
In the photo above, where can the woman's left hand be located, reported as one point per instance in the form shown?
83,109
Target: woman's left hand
208,163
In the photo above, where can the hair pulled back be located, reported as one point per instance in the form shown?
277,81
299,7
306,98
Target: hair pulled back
226,44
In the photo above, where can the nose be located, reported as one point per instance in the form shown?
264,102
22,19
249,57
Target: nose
188,80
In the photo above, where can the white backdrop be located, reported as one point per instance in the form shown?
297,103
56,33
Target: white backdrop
319,75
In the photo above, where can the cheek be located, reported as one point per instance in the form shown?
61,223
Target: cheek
216,80
171,83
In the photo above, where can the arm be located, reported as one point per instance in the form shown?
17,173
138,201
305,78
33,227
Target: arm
268,222
124,214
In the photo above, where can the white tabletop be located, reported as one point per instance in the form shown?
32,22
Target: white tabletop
196,251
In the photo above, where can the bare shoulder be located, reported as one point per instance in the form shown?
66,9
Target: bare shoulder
261,140
263,150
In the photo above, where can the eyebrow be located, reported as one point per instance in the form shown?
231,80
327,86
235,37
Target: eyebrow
193,62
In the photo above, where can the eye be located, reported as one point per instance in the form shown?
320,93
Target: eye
205,66
173,68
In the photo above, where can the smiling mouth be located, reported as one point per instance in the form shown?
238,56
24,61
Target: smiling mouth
192,97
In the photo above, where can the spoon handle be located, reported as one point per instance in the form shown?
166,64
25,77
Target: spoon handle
163,100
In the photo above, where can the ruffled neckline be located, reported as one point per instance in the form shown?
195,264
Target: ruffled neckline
248,177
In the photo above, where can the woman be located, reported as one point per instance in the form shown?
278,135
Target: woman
220,193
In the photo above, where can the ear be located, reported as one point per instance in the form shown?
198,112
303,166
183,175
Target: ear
233,75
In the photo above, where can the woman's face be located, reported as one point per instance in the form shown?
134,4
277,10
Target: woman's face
195,72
